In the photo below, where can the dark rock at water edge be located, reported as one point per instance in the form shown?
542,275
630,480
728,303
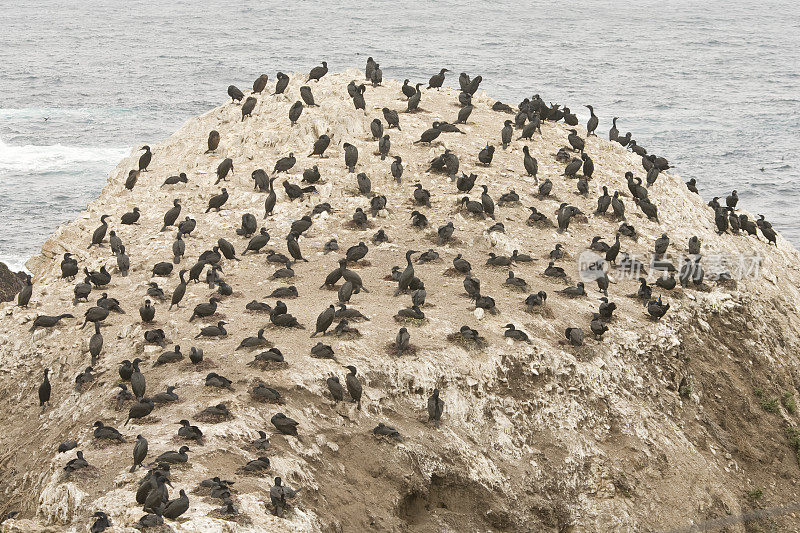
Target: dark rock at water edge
10,283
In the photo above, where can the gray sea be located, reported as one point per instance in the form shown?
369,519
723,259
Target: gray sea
713,86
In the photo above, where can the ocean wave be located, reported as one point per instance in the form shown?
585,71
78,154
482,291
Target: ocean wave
15,263
45,112
36,159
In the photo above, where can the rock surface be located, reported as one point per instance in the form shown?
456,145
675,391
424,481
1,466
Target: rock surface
10,283
660,425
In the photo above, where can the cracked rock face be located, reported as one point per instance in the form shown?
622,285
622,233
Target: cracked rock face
10,283
661,424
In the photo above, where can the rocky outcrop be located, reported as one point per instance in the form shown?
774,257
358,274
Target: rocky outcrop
660,425
10,283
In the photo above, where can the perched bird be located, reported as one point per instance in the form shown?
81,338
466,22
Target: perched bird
166,397
204,310
133,177
577,290
100,233
402,340
282,83
140,409
513,333
103,432
324,320
69,266
99,278
137,379
254,342
45,321
412,106
213,141
196,355
384,144
397,168
575,141
320,145
322,351
437,80
139,452
430,134
213,331
145,158
235,94
174,508
45,389
295,111
574,336
382,430
529,162
506,133
147,312
318,72
657,309
218,200
257,465
24,295
173,457
132,217
592,123
407,90
335,388
284,424
172,214
278,494
392,118
267,394
486,155
187,226
435,407
554,271
262,442
189,432
76,464
167,357
260,84
307,96
354,388
667,283
248,106
537,299
350,156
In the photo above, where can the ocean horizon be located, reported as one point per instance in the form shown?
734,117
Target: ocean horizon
712,89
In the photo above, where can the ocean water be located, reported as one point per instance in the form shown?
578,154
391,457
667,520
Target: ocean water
713,86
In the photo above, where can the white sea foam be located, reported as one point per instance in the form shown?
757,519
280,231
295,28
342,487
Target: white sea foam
36,159
15,263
